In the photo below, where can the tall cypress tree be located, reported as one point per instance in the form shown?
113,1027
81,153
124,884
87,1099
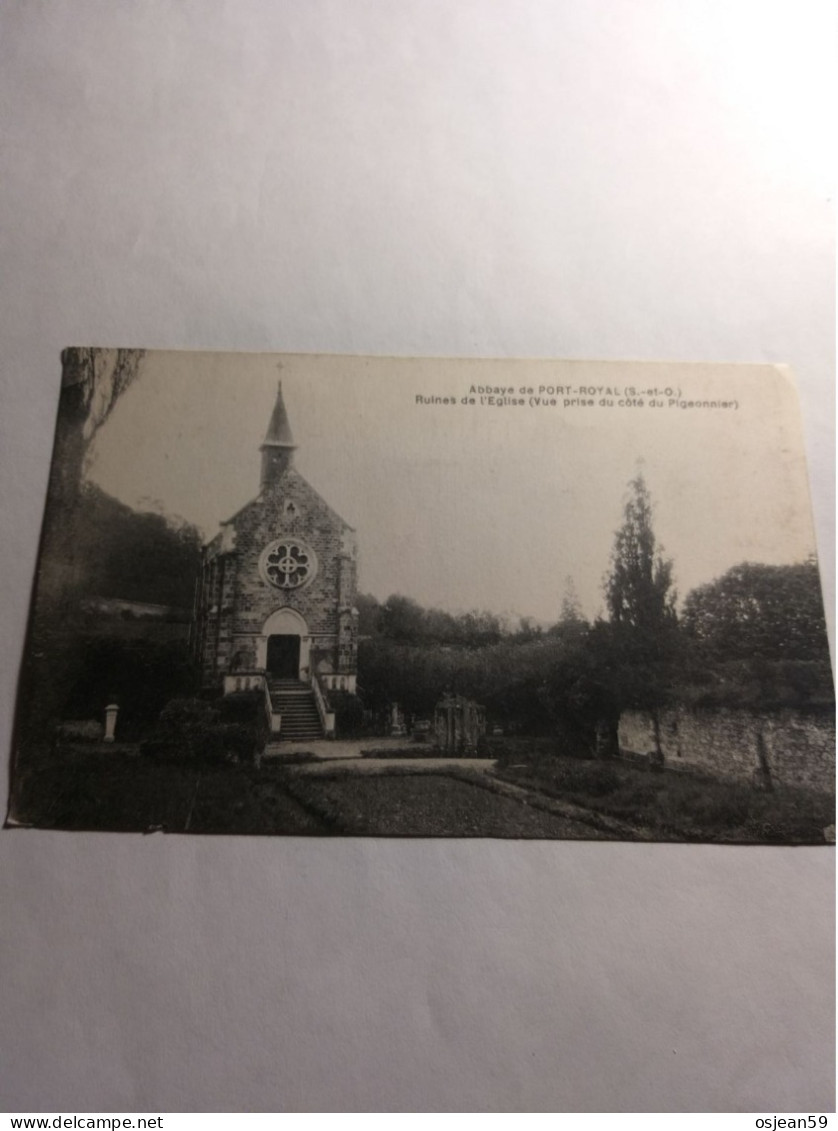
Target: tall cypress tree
639,590
640,597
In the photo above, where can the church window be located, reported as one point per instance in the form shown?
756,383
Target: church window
287,563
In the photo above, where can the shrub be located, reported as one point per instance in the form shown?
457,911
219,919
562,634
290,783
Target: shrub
194,730
246,709
349,713
83,730
184,732
242,707
532,751
186,717
238,740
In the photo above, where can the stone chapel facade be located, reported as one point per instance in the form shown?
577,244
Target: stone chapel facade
275,601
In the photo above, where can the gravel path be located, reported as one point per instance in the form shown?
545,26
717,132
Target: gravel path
329,749
372,766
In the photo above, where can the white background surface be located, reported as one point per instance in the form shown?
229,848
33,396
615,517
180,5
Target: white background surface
609,179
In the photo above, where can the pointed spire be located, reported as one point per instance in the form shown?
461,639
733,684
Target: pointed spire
278,447
279,430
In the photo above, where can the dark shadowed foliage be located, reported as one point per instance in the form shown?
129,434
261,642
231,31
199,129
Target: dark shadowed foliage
139,675
773,611
756,637
134,555
193,730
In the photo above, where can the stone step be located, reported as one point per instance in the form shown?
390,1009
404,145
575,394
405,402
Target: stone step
294,702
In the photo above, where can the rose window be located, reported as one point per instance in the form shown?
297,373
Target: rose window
288,563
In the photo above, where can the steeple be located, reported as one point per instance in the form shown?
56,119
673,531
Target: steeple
278,447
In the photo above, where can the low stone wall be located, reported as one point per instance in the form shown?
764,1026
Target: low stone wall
795,747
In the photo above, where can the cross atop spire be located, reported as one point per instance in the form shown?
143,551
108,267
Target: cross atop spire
278,447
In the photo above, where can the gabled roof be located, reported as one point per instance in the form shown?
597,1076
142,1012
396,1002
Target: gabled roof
260,501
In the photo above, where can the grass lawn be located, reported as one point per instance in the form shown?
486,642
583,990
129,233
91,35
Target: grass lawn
396,804
88,787
117,790
673,805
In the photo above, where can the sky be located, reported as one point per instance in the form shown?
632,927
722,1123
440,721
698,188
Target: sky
487,506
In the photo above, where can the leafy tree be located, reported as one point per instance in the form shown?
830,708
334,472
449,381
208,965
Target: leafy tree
404,620
571,611
756,636
476,629
92,381
528,629
134,555
369,615
771,611
572,624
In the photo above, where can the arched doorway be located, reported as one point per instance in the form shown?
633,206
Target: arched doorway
283,650
283,658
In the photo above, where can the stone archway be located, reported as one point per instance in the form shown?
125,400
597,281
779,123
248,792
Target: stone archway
285,644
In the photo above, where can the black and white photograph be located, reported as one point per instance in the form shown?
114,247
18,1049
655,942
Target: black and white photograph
392,725
322,595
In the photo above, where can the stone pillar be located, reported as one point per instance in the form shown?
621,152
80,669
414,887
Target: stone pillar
111,711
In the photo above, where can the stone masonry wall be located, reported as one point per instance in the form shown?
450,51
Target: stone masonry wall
311,520
798,748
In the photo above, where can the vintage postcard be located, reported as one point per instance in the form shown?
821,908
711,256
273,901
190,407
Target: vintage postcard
322,595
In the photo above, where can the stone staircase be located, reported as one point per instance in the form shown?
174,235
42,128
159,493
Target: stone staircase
294,701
